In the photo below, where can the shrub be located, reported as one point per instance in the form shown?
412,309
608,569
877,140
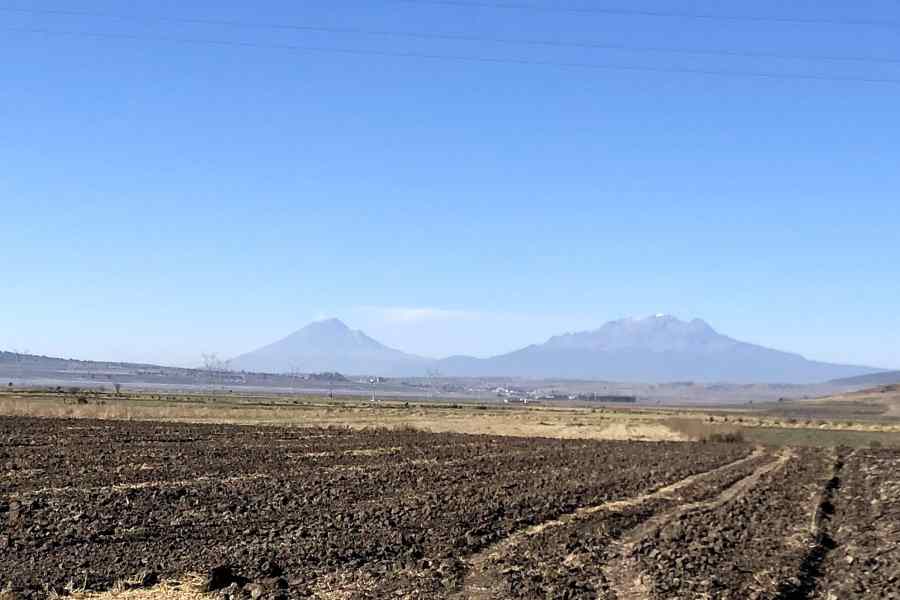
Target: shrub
702,431
410,428
728,437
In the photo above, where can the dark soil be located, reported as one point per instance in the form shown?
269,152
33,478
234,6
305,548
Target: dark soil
864,530
274,512
563,562
96,502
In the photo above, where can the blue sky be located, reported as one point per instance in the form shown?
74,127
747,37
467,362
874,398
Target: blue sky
162,199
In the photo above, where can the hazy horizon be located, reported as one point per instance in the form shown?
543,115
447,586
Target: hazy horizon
414,320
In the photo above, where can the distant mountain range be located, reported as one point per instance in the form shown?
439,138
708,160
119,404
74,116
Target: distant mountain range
660,348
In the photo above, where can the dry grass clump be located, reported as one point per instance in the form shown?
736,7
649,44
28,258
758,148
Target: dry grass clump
410,428
186,588
700,431
343,585
728,437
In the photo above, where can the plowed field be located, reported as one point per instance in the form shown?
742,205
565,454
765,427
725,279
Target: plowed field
331,513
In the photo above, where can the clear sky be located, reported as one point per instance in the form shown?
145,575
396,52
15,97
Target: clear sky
162,199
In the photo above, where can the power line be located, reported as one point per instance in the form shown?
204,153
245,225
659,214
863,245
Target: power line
464,37
628,12
459,58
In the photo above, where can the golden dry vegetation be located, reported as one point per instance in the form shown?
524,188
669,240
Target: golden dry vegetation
602,423
187,588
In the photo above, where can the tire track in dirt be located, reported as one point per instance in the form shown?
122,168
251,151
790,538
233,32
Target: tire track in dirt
623,573
821,542
479,581
144,485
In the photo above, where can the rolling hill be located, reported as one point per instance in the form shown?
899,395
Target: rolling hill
875,379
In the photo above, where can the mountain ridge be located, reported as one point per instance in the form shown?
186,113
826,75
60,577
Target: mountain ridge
328,345
874,379
654,349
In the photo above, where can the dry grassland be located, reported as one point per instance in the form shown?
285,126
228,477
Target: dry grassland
620,423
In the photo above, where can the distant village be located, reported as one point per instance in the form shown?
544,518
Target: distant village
517,396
